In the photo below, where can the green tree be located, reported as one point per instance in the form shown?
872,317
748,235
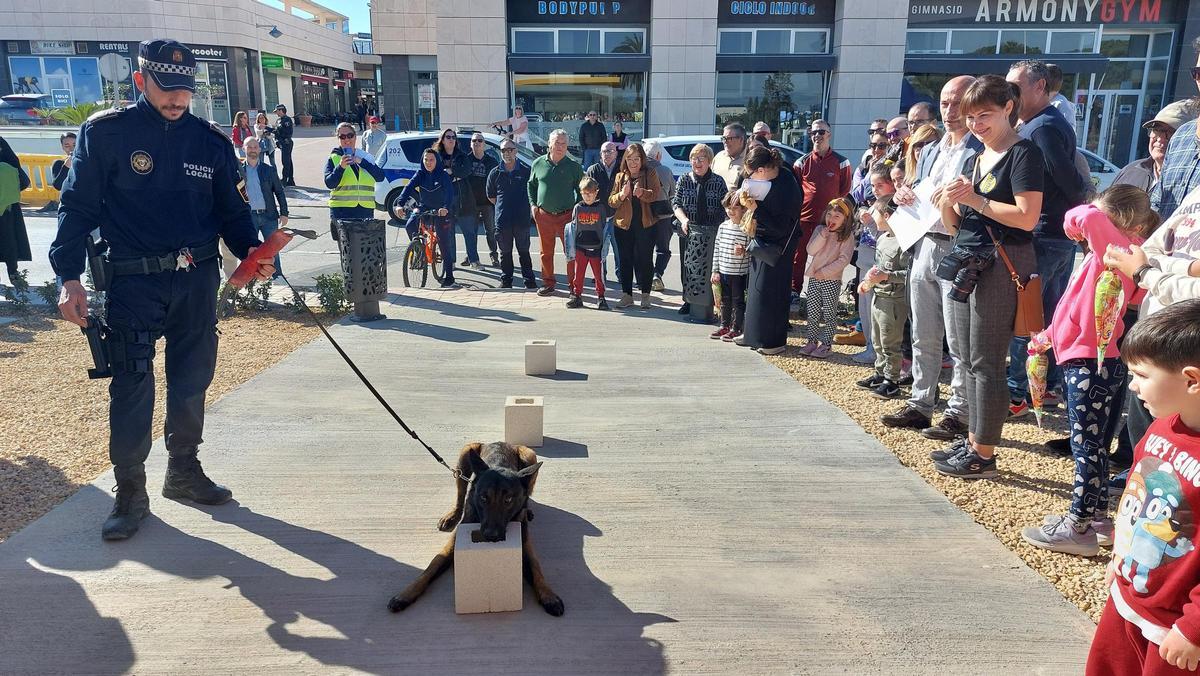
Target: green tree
77,114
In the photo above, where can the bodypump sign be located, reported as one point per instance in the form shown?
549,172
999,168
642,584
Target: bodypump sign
589,11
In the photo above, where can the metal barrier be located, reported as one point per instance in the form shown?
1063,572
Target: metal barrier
41,181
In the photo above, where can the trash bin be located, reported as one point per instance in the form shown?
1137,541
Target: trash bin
361,245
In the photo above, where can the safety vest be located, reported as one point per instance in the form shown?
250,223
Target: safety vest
353,190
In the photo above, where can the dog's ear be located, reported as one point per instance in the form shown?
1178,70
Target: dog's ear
529,473
478,466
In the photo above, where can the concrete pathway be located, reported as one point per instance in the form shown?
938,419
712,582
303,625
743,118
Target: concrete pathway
698,511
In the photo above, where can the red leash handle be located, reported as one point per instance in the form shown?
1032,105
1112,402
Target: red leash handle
274,244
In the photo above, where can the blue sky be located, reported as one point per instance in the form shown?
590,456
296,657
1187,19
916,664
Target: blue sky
357,10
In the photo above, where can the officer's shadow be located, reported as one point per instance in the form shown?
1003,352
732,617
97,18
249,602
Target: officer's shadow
352,601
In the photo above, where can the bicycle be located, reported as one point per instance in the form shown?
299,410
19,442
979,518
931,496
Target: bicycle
423,252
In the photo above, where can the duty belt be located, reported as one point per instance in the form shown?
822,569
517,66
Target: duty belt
183,259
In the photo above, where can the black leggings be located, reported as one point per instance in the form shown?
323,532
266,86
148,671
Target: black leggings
636,249
733,301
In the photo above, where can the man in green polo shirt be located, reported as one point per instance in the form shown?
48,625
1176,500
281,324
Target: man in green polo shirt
553,192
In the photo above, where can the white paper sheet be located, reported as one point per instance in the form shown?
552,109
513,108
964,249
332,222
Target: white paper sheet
910,223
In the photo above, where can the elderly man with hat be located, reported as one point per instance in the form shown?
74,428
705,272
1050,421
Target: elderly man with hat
161,185
1145,172
374,140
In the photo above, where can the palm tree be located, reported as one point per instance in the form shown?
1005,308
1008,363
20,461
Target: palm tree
76,115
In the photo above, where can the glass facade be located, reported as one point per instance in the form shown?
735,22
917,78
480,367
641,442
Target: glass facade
211,100
788,102
66,80
554,100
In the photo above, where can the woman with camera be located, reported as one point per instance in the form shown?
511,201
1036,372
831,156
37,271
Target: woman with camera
992,210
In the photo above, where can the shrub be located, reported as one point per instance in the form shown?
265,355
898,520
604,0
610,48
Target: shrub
331,293
48,292
18,292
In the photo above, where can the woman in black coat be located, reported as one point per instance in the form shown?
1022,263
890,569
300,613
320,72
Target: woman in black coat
774,244
14,240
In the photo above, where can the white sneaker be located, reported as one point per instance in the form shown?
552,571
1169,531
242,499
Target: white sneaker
1061,536
657,284
645,301
864,357
1103,527
475,266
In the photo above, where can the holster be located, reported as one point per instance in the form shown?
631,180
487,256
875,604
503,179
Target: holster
98,263
98,336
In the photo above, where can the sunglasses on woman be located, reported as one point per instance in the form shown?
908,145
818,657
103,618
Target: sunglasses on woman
878,146
346,137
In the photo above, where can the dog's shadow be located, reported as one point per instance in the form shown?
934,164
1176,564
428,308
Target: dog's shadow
598,632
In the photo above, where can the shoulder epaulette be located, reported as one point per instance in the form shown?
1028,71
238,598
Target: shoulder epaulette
106,114
216,129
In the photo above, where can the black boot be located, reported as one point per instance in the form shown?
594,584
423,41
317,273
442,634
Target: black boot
132,505
186,480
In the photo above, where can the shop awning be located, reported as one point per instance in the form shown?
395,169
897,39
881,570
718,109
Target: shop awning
785,63
314,79
976,64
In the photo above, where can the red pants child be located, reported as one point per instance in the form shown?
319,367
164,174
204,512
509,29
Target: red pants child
1119,649
584,260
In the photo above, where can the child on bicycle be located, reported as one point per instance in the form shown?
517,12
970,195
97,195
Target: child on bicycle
587,223
433,191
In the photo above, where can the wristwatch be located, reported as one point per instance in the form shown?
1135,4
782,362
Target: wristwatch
1137,274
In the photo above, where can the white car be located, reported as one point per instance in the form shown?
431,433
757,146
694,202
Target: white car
676,149
402,159
1103,171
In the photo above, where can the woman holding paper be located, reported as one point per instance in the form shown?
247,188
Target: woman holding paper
996,203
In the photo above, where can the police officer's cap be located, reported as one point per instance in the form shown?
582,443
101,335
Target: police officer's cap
169,62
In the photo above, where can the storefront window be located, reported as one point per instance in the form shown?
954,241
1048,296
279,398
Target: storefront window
810,42
925,42
1117,45
773,42
533,42
788,102
554,100
736,42
973,42
578,42
1121,75
65,80
623,42
211,100
1072,42
1022,42
1162,45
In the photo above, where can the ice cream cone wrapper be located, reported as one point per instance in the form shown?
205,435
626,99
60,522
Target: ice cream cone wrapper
1036,367
716,290
1109,295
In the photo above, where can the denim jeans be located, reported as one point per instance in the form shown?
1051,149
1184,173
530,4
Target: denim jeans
610,244
265,226
590,157
1055,259
469,225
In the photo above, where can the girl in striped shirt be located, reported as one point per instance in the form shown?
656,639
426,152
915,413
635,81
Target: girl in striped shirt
731,268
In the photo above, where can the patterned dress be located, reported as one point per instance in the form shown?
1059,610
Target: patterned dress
700,199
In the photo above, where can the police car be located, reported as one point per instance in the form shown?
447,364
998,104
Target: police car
402,159
676,149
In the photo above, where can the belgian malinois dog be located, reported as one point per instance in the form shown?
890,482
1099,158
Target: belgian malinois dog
501,480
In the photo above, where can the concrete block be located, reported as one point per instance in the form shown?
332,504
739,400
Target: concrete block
487,575
523,418
541,357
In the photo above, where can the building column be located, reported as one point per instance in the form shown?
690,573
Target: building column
682,92
870,66
472,62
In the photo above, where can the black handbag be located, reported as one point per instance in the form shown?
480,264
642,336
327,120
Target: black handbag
661,209
767,253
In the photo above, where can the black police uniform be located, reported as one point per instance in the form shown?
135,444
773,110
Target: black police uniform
161,193
283,139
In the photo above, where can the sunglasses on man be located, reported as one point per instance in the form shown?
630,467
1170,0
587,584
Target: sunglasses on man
873,131
727,139
896,134
817,132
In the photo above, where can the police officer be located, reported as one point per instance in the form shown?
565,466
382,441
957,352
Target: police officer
283,138
161,184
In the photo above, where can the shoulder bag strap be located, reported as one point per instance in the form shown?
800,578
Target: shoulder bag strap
1012,271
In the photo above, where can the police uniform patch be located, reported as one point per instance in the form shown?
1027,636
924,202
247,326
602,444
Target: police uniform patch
988,183
141,162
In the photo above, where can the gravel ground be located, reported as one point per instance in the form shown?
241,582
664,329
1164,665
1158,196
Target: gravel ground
54,420
1033,482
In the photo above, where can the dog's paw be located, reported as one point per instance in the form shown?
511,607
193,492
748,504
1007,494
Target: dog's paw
553,605
398,603
449,521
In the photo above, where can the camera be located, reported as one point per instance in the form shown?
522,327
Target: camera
962,267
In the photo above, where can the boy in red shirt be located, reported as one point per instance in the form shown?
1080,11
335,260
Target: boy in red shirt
1151,624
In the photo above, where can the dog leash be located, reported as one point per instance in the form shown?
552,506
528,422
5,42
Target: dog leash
378,397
